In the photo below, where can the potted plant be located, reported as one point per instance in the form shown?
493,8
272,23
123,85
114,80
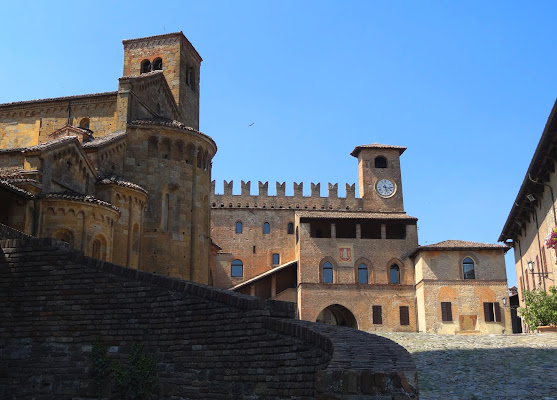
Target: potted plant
540,311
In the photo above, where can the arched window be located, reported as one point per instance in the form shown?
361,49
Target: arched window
165,148
363,276
157,64
468,268
178,151
237,269
99,248
84,123
266,228
145,66
327,272
189,153
290,228
380,162
152,146
394,274
239,227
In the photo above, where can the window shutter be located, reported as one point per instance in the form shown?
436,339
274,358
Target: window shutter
377,318
487,312
446,311
404,315
497,310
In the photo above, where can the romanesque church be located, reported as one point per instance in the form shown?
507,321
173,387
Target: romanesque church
125,176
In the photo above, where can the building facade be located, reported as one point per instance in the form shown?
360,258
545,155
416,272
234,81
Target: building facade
532,218
355,260
123,176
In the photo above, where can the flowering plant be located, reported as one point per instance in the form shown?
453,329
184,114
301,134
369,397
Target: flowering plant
551,239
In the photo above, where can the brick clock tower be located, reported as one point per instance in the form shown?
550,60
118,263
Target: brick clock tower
379,177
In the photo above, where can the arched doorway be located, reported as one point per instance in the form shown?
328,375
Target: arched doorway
337,315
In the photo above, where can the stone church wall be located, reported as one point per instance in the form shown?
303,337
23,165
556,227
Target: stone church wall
208,343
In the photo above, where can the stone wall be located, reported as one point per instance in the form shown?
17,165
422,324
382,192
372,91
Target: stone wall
24,124
208,343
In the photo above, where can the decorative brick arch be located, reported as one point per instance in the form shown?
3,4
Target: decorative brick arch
337,314
400,264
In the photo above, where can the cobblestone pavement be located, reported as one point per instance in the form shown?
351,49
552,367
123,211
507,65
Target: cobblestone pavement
522,366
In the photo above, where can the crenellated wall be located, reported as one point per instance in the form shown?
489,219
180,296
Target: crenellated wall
281,200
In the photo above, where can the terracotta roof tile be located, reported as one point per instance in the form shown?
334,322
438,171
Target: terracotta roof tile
104,140
80,96
78,197
114,180
354,215
170,123
7,185
357,149
463,245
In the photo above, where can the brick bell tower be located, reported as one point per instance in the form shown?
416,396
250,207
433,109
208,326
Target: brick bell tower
180,62
379,177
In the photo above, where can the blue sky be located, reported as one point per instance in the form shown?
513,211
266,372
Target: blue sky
466,86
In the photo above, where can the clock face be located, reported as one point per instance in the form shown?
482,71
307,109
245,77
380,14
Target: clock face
385,188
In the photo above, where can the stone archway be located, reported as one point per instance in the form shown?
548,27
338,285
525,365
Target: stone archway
337,315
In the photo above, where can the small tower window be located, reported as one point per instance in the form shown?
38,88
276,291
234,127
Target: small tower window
380,162
266,228
157,64
276,259
145,66
239,227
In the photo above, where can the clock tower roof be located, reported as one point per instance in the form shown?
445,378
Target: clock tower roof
357,150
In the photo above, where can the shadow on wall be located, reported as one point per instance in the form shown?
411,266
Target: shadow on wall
507,373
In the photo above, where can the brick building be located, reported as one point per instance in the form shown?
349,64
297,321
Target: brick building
122,176
125,177
532,217
356,260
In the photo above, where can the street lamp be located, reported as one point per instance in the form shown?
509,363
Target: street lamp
504,302
544,275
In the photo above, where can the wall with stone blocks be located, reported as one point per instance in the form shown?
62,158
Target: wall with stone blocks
209,343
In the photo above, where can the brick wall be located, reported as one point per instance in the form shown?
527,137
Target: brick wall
209,343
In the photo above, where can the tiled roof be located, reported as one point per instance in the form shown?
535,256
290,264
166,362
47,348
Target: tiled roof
462,245
104,140
52,143
355,215
170,123
536,176
357,149
264,274
114,180
78,197
80,96
15,189
75,129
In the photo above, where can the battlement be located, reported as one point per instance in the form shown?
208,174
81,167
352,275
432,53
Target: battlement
280,200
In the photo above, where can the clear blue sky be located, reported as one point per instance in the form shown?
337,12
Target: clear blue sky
466,86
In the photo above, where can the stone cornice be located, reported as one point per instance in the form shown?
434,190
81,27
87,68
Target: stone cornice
57,102
462,282
162,40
